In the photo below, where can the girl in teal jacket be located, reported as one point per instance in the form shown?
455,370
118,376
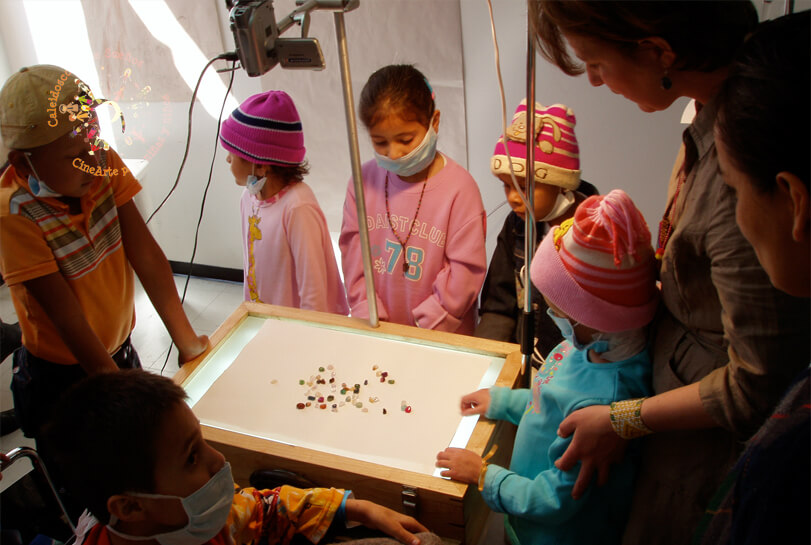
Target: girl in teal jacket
597,274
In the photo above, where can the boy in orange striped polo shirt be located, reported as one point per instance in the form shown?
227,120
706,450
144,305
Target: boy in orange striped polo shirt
70,239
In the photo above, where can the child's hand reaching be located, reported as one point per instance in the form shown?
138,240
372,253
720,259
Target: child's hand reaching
463,465
395,524
476,403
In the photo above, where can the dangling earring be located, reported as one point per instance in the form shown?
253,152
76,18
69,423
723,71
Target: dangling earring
666,82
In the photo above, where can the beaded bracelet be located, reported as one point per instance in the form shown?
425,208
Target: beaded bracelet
483,470
626,418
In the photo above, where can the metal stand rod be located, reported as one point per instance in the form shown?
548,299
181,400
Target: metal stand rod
360,201
528,338
31,454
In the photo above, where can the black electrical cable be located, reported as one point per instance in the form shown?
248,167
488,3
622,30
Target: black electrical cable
208,183
496,209
225,56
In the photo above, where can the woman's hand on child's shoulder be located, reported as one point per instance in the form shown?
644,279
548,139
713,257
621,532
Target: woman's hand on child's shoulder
463,465
400,527
476,403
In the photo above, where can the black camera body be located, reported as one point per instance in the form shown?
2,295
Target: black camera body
253,23
259,46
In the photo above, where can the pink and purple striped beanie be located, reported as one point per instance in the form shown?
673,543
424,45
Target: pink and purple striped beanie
557,156
598,267
265,129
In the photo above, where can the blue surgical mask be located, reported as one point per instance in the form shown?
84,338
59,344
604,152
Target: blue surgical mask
40,188
567,330
417,159
207,510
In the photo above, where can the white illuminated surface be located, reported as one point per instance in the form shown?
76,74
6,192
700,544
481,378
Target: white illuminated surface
218,361
436,397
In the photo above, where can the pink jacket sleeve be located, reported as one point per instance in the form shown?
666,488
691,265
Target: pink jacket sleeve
456,287
303,225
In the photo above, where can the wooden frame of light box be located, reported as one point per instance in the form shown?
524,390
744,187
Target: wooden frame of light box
453,510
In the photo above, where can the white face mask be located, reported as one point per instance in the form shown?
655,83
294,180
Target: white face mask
207,510
563,202
417,159
255,184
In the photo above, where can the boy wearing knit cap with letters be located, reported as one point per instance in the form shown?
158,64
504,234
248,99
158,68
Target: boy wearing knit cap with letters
287,251
70,238
558,190
596,272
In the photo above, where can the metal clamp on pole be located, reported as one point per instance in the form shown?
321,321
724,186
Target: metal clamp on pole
410,501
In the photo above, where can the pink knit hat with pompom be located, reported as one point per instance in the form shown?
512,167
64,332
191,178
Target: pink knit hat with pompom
265,129
598,267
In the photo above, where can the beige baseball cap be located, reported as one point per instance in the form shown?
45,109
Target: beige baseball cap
38,104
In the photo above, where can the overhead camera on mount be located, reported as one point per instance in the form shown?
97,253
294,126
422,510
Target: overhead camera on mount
257,34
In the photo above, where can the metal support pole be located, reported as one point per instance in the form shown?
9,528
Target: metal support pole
33,457
360,202
528,337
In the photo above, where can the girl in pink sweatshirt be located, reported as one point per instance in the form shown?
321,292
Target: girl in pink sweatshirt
425,215
287,251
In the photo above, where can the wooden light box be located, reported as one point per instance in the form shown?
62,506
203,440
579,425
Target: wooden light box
267,361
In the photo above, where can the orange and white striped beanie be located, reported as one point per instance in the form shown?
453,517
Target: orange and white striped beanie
598,267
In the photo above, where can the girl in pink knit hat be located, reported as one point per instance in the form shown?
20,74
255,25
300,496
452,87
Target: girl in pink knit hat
596,272
425,215
287,251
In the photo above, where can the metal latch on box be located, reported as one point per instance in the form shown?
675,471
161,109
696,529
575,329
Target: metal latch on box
410,500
